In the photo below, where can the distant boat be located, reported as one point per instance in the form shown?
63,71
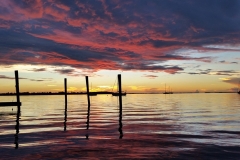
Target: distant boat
117,94
170,92
92,93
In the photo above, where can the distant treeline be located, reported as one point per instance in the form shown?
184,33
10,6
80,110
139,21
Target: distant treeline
103,92
51,93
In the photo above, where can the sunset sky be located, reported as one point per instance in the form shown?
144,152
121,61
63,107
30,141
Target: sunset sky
189,45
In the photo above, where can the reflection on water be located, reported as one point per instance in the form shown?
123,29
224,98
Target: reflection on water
17,127
65,118
178,126
120,123
88,117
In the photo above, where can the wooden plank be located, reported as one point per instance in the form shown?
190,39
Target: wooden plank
5,104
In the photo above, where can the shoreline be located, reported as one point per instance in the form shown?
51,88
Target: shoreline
83,93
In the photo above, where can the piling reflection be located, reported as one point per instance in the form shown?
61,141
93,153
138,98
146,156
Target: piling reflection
120,123
65,115
17,128
65,119
88,115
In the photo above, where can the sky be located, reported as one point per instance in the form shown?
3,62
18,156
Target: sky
183,46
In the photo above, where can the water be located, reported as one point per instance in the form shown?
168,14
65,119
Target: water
154,126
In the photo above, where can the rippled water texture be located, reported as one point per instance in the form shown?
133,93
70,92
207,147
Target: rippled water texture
153,126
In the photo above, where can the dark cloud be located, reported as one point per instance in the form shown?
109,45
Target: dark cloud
65,71
178,57
6,77
102,34
150,76
37,80
225,62
227,73
235,80
145,66
212,72
38,69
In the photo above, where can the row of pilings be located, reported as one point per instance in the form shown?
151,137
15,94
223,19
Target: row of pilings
18,104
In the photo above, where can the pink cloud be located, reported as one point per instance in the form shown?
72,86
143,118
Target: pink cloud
55,14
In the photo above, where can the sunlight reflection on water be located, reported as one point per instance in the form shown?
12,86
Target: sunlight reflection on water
153,125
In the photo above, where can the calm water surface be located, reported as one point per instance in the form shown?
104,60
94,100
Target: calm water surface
154,126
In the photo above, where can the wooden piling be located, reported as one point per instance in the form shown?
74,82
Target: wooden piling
65,113
120,106
120,91
88,98
65,91
17,89
18,110
87,86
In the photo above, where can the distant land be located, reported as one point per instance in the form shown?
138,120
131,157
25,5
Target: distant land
79,93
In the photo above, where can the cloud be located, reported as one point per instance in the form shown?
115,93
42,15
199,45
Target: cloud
6,77
100,34
234,80
150,76
65,71
178,57
225,62
38,69
218,73
235,89
36,80
14,10
226,73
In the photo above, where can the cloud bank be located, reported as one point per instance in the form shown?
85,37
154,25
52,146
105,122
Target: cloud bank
117,34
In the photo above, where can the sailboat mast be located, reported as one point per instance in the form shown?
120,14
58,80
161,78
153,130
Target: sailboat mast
165,87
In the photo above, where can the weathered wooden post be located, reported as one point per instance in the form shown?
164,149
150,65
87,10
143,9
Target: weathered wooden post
65,113
88,98
18,110
87,86
120,91
65,92
17,90
120,105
